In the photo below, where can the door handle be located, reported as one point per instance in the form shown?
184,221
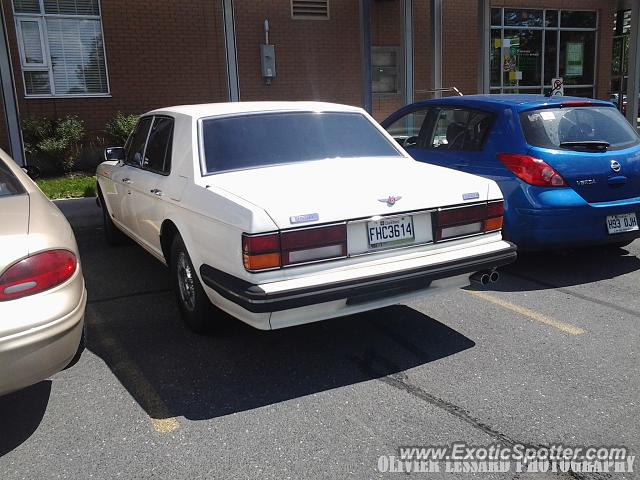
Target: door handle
127,180
461,165
156,192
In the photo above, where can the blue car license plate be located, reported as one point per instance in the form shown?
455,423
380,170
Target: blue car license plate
626,222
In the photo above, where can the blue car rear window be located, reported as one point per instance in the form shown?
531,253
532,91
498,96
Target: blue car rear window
258,140
550,127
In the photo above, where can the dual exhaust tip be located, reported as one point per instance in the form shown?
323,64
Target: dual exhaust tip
485,277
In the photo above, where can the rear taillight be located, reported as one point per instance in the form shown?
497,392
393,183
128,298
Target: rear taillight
468,220
312,244
37,273
275,250
532,170
261,252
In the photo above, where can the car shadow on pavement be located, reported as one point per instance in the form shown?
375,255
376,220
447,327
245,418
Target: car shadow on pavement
545,270
21,413
173,372
134,326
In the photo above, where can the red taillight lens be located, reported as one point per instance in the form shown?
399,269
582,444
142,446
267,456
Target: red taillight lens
261,252
274,250
37,273
532,170
312,244
462,221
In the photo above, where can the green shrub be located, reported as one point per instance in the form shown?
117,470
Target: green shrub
58,140
119,128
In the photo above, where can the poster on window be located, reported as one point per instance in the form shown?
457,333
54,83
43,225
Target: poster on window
574,58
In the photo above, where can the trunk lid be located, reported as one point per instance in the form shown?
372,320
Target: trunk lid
597,177
14,228
343,189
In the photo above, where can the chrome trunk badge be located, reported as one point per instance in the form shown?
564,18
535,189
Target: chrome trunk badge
390,200
309,217
615,166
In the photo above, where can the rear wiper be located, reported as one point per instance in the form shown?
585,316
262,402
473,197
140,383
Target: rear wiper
597,145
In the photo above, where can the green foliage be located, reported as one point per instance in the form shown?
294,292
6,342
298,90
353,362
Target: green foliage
119,128
56,140
70,186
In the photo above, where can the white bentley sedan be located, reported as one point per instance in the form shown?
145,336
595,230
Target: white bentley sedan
286,213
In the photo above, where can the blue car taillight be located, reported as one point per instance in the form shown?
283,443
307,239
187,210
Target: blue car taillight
532,170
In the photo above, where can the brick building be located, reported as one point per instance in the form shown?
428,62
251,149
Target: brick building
94,58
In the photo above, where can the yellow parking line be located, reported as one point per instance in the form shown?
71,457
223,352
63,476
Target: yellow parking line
133,378
525,312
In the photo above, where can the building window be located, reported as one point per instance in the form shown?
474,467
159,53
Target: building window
530,47
61,47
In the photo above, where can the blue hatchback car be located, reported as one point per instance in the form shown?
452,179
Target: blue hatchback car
569,168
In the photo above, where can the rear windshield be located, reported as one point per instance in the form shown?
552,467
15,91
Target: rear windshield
259,140
550,127
9,184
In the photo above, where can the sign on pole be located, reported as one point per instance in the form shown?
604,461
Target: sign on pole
557,87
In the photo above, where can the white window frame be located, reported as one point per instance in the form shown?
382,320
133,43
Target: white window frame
47,66
23,55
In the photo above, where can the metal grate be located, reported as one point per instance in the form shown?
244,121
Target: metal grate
310,9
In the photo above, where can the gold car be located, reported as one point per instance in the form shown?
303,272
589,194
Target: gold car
42,293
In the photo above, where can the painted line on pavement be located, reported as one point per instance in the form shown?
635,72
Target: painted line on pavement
132,377
525,312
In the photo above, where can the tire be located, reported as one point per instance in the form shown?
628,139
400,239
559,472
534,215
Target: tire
196,310
112,234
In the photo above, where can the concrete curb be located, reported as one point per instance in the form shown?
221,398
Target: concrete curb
81,212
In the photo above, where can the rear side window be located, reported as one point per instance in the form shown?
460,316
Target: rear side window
157,156
9,184
459,129
553,127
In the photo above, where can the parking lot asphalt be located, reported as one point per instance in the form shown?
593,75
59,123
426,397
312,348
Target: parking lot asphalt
550,354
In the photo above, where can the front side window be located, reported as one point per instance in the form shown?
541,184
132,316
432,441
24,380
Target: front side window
135,145
458,129
575,128
61,47
260,140
406,130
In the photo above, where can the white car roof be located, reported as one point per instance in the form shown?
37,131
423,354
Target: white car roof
212,109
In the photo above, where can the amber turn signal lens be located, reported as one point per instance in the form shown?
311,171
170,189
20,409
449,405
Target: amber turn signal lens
262,262
492,224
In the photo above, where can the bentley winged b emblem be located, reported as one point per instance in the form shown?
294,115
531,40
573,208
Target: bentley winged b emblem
390,200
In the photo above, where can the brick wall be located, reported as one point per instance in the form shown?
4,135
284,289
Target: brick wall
162,53
158,54
315,59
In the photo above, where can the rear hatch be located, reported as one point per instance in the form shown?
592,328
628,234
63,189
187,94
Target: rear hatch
591,146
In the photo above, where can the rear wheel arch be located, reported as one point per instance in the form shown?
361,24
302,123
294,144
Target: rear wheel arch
168,231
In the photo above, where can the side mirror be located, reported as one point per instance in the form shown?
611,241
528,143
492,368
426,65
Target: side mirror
114,154
32,171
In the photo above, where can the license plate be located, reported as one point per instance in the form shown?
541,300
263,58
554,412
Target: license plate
390,231
626,222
